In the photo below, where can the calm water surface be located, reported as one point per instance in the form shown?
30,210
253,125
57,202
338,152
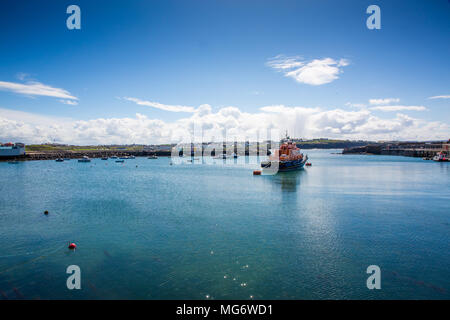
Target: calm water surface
148,230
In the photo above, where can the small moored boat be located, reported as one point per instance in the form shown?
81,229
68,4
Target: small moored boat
84,159
441,157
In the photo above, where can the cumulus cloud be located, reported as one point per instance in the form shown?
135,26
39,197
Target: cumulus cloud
399,108
314,72
211,125
440,97
383,101
157,105
33,88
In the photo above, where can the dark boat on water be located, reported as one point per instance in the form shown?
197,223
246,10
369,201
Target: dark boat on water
84,159
287,158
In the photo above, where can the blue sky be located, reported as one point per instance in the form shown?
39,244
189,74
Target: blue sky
222,53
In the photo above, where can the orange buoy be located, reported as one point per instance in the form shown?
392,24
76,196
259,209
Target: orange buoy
72,246
257,172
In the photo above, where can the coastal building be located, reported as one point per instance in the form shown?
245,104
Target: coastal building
12,149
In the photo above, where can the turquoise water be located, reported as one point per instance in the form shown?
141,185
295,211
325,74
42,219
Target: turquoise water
148,230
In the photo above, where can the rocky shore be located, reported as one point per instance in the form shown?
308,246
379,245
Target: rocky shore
407,149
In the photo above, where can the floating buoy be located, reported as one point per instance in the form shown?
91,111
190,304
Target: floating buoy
309,164
72,246
257,172
45,212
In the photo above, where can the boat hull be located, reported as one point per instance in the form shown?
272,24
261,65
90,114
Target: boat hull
285,166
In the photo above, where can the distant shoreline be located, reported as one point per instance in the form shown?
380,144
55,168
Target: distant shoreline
53,155
407,149
55,151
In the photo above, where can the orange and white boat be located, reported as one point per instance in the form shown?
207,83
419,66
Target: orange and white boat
288,157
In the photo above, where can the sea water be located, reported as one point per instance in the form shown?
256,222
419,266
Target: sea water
209,229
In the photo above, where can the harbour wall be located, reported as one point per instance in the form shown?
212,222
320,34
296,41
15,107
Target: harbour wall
408,149
79,154
53,155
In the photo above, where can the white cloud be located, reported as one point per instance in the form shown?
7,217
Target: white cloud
36,89
386,106
384,101
314,72
69,102
440,97
355,105
157,105
399,108
22,76
299,121
284,63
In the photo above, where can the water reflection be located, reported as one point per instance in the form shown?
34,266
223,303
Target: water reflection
287,181
444,167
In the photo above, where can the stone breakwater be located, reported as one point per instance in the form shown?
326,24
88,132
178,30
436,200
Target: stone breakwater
408,149
34,155
53,155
